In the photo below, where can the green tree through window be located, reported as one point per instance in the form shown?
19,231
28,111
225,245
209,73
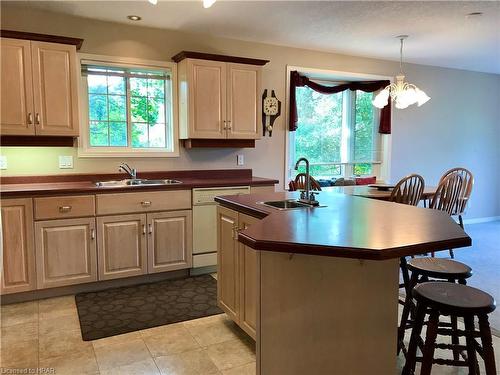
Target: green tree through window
127,104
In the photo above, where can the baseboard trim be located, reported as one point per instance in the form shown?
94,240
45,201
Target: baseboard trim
481,220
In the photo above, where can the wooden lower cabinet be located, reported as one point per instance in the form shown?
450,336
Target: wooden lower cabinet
18,271
170,240
122,250
237,291
65,252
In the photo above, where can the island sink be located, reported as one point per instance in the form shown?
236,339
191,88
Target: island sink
287,204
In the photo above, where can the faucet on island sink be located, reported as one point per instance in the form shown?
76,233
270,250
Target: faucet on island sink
132,172
307,196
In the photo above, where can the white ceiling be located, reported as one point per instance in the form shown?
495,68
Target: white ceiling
440,32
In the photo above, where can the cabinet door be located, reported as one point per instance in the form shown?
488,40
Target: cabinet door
65,252
244,102
18,271
207,99
249,292
16,90
169,241
227,262
55,88
122,246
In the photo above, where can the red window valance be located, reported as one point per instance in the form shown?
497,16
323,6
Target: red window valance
297,80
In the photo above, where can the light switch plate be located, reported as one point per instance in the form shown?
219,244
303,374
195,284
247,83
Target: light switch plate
3,162
65,162
240,160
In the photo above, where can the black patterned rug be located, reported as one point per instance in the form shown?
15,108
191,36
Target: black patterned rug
115,311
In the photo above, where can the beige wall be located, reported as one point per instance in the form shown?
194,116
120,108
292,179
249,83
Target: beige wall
457,127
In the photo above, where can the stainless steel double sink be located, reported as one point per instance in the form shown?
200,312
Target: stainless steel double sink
137,182
286,204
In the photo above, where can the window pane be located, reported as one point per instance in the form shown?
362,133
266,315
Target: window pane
117,108
118,134
157,135
99,133
139,108
322,170
156,110
362,169
97,84
363,129
98,107
156,88
116,85
319,132
139,135
139,86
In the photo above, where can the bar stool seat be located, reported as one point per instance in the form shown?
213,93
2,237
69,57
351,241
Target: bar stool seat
455,300
437,268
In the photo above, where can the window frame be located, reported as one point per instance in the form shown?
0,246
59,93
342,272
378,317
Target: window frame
171,116
381,167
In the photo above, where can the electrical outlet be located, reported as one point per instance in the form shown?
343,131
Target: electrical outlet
65,162
3,162
240,159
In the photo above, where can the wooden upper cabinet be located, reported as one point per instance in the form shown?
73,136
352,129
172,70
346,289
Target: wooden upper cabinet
16,97
55,88
39,92
219,99
65,252
244,104
208,99
18,271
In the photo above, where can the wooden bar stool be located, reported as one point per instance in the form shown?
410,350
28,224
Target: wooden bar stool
422,270
444,298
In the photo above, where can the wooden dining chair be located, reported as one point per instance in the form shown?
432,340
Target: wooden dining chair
300,183
468,183
408,190
447,195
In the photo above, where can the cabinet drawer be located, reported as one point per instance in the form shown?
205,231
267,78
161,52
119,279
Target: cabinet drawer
143,202
64,206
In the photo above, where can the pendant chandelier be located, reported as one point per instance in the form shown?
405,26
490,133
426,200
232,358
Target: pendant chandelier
402,93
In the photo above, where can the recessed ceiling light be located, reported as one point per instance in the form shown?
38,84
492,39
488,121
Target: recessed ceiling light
154,2
208,3
474,14
134,18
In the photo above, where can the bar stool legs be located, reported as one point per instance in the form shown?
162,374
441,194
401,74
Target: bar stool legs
430,341
488,354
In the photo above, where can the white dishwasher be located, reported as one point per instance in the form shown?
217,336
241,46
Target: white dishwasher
205,223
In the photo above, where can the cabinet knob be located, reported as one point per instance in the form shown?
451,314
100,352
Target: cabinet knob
64,209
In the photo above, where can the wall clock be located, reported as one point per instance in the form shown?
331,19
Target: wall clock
271,110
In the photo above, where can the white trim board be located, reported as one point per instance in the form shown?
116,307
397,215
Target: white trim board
482,220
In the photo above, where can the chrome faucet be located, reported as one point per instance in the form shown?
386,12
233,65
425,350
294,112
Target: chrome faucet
132,172
307,196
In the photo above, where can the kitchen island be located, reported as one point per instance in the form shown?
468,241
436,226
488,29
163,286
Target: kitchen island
326,278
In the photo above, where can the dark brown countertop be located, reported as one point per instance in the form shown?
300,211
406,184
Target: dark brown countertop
85,183
350,227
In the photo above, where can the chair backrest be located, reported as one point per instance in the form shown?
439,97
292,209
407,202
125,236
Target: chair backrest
468,183
448,193
300,183
408,190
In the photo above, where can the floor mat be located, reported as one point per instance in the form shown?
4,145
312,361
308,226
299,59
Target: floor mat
115,311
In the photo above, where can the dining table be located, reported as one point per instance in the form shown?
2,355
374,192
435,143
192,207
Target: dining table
376,193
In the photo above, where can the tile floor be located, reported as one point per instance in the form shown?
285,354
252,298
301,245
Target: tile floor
46,334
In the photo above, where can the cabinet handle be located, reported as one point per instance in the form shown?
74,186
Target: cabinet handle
143,229
92,234
150,228
30,118
229,124
64,209
235,232
146,203
225,126
37,119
